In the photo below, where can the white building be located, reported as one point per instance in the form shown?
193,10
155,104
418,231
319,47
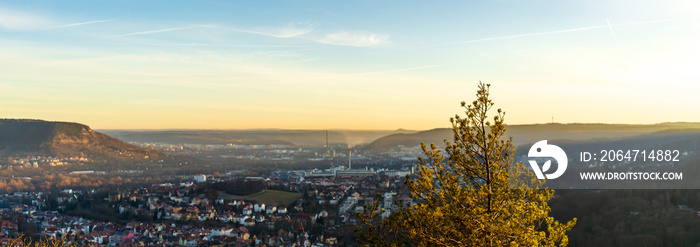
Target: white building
200,178
258,208
282,210
347,204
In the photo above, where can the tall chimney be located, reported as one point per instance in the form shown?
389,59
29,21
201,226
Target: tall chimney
328,148
350,160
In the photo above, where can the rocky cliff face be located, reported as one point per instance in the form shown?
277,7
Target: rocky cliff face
61,139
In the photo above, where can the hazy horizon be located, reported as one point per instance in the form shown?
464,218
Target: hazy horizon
346,65
346,129
401,129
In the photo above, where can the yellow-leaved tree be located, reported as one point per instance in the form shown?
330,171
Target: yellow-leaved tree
475,195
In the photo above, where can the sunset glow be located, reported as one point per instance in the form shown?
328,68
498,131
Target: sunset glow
346,65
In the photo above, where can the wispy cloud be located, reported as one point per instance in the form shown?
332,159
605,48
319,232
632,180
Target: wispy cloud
308,30
357,38
18,20
160,30
397,70
80,23
288,30
11,19
653,21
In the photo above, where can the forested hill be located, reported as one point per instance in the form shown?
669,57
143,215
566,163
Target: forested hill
529,133
20,137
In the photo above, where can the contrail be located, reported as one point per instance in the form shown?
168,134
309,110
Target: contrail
535,34
562,31
159,31
80,24
611,29
521,35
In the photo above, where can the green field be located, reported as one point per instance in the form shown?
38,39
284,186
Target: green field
268,197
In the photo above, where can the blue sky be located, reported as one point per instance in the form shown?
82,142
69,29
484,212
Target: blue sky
346,64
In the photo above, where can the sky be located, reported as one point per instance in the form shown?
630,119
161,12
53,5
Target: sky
346,64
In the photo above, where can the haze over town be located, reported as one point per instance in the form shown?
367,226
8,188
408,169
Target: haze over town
345,65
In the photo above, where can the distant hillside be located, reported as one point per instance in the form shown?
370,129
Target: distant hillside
258,137
410,140
61,139
529,133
